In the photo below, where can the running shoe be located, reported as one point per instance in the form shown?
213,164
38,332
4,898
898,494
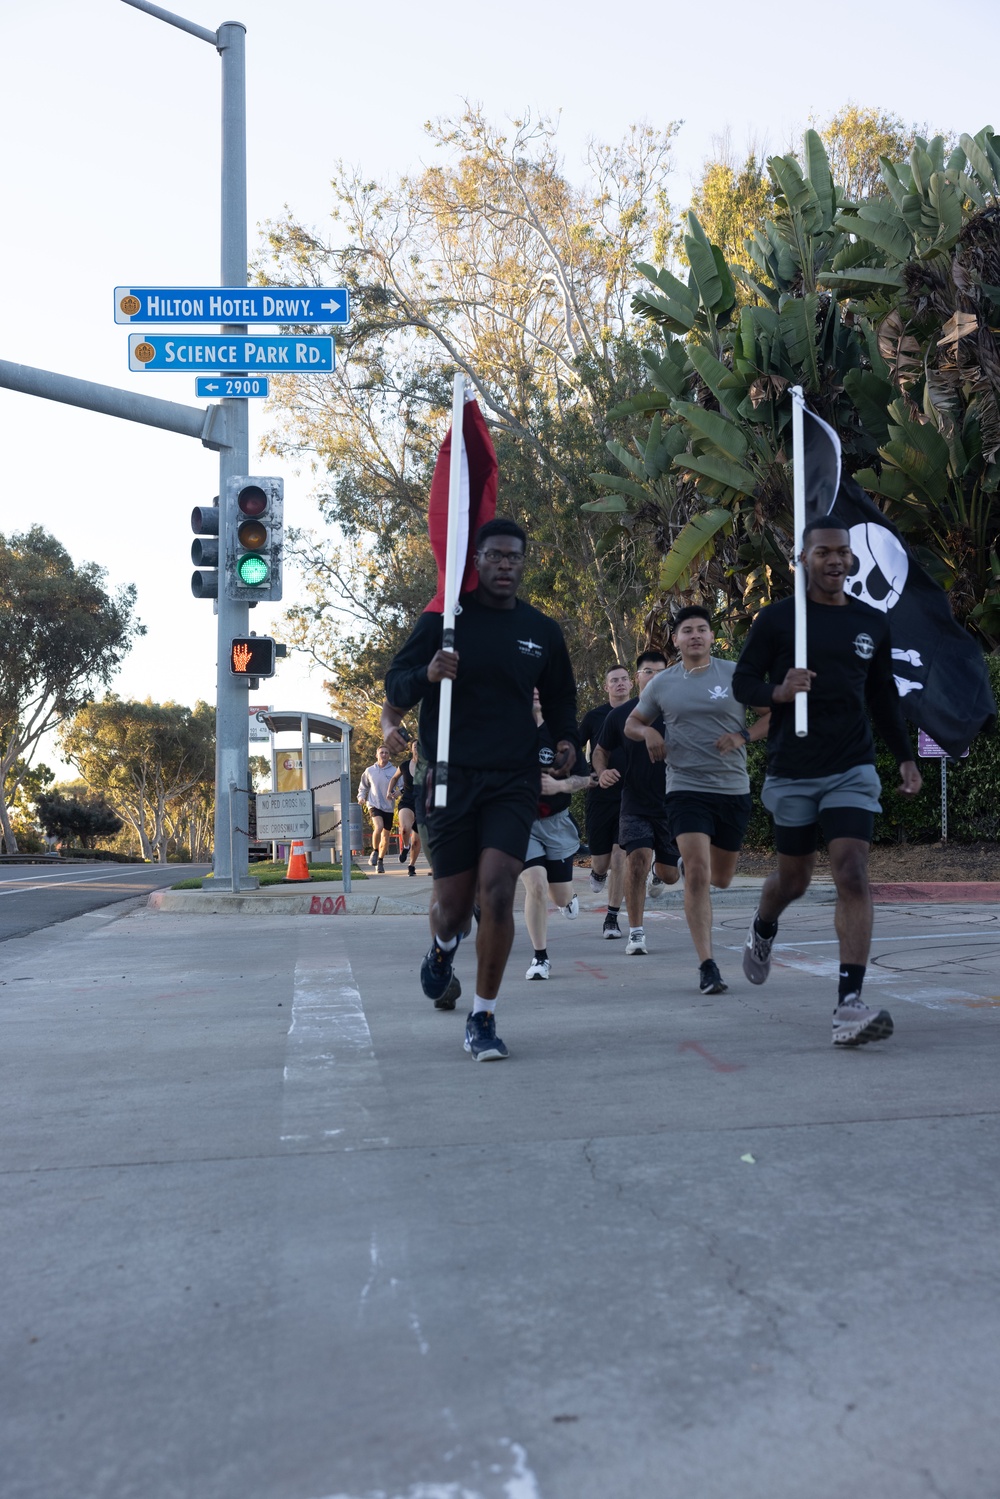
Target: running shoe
656,887
412,870
710,979
611,929
404,853
448,998
380,867
854,1024
481,1039
598,882
636,944
757,954
539,969
435,971
373,857
572,911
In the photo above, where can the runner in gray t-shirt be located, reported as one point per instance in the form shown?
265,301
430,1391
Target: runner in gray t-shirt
708,790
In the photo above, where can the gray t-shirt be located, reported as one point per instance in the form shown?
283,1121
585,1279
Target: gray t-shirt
697,707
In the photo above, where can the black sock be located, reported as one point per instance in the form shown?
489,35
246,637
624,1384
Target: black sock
613,910
765,929
852,976
541,955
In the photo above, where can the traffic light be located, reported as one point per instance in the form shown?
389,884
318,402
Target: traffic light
205,550
254,538
252,656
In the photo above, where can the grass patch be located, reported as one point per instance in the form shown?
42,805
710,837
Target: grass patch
274,873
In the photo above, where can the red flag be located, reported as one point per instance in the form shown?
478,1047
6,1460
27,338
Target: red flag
478,500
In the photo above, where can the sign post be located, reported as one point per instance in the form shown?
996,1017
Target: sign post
929,749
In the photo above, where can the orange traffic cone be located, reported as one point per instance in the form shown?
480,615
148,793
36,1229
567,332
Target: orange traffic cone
298,866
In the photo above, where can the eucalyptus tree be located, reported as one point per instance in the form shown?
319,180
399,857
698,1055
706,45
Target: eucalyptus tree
63,634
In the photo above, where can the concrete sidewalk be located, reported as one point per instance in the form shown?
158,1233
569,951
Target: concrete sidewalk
271,1234
396,894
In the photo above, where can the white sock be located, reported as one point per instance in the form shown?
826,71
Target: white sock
637,931
482,1006
448,946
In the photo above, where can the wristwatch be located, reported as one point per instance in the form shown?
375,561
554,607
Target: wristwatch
746,734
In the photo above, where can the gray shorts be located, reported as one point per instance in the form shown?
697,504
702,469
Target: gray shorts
553,838
798,804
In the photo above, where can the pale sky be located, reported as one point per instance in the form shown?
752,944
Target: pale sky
110,176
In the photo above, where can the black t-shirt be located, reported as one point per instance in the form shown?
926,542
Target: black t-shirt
503,654
406,778
590,733
549,805
849,649
644,784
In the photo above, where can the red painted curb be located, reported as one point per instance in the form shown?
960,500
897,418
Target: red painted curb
965,894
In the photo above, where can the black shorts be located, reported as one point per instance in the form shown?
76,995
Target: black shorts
486,809
834,822
603,812
557,871
723,817
407,803
636,831
387,817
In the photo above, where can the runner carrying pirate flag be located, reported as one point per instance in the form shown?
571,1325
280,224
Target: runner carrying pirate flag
939,668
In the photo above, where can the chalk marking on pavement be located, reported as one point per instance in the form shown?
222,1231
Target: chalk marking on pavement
972,936
333,1085
521,1484
707,1056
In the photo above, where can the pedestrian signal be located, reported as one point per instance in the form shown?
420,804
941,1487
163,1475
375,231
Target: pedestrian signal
252,656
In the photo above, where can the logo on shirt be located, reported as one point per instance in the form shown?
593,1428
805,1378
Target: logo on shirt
545,755
529,647
717,694
864,646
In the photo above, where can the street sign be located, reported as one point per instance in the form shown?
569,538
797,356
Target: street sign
232,304
220,387
229,353
928,749
259,731
284,814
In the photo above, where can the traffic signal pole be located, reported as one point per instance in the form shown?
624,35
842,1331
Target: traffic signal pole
232,718
230,857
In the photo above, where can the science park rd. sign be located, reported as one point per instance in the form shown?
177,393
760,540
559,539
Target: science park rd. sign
230,353
232,304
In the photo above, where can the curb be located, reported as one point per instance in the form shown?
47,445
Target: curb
957,892
275,901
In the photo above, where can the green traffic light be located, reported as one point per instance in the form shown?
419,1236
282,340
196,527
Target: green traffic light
253,571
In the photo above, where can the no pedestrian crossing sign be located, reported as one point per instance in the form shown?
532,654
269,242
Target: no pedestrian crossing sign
230,353
232,304
284,814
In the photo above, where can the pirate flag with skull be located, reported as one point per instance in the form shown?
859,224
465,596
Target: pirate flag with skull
939,668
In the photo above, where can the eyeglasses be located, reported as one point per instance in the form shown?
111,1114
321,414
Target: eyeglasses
496,556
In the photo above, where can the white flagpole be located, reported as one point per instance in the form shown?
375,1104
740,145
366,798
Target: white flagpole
451,586
799,522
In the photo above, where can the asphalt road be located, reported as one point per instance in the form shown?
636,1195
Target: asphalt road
33,896
270,1234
